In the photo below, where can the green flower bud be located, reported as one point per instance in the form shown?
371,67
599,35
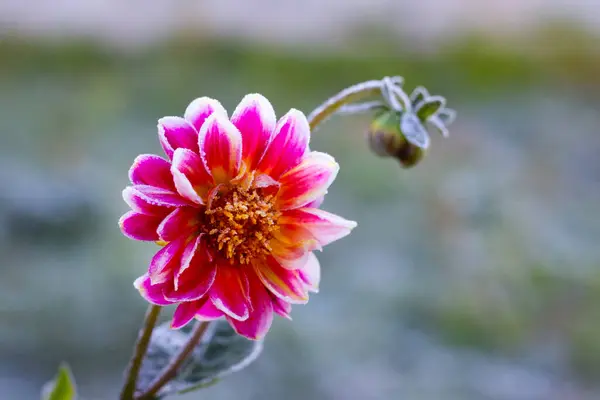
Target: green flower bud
387,140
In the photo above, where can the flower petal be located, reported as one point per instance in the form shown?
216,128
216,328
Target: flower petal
289,143
152,293
194,252
152,200
166,261
208,312
185,312
148,169
176,132
316,203
229,292
267,185
292,255
261,317
282,282
181,222
213,193
190,176
304,224
140,226
200,109
255,119
221,148
196,273
308,181
311,273
292,251
281,307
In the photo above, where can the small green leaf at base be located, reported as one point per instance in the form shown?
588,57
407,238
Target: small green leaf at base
429,107
62,387
220,352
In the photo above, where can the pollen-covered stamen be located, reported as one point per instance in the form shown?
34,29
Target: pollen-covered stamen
241,222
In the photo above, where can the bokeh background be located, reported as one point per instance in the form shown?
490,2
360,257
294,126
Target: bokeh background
475,275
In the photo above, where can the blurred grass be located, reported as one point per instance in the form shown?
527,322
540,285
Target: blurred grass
477,63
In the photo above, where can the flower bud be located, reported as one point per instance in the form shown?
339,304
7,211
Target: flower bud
387,140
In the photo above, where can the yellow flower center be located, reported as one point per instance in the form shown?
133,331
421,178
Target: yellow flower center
241,222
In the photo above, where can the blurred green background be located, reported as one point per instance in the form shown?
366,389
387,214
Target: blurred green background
475,275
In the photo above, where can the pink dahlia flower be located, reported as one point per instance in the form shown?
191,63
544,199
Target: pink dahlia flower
235,208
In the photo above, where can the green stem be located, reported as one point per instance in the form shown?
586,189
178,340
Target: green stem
141,346
171,369
354,93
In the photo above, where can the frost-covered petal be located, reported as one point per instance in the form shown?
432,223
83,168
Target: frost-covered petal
140,226
307,181
292,255
196,273
195,254
158,196
264,181
176,132
166,261
149,169
181,222
267,185
221,148
294,259
208,312
152,293
184,313
202,108
261,317
255,119
282,308
311,273
229,292
147,199
288,146
316,203
190,176
303,224
282,282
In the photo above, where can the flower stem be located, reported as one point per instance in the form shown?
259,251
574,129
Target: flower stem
141,346
351,94
171,369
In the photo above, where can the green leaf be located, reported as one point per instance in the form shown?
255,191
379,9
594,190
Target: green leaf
429,107
62,387
414,131
220,352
